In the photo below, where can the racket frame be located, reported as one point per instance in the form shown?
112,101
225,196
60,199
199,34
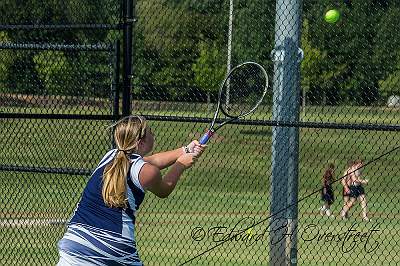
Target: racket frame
210,132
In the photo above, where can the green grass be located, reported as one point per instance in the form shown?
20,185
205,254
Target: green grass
228,184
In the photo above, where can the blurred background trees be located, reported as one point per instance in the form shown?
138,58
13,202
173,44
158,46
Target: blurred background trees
180,47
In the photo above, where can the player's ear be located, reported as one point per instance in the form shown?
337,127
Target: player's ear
141,142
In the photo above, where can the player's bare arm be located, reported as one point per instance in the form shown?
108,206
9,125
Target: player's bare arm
151,179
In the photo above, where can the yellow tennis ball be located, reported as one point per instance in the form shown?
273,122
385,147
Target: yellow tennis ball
332,16
250,233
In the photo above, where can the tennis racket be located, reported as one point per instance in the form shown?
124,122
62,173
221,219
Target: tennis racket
241,92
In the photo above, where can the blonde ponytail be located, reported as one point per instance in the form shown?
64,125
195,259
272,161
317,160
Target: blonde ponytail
128,132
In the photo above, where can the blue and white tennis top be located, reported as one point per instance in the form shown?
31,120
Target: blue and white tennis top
100,235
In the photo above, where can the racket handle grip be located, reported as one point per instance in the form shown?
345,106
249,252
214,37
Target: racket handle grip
204,139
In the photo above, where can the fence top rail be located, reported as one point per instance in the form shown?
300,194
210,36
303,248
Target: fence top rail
273,123
57,47
118,26
45,170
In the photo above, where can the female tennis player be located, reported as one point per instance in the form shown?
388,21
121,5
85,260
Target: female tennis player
356,190
346,182
102,228
327,195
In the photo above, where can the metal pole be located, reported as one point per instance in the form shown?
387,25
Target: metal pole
127,56
115,88
285,140
230,31
116,84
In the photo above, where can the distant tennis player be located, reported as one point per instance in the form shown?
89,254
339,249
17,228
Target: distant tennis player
102,229
327,195
346,182
357,190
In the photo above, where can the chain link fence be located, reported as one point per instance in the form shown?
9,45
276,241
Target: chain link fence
254,197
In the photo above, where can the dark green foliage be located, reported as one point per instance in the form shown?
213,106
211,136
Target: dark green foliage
360,42
355,61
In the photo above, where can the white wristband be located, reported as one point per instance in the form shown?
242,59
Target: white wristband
185,149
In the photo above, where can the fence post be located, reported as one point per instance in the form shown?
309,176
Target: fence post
127,55
285,140
115,87
115,81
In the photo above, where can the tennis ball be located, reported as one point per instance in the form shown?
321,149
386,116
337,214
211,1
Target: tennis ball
332,16
249,233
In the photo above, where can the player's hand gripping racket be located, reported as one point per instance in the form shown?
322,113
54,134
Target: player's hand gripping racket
240,94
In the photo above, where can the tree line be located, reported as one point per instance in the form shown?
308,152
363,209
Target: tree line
181,47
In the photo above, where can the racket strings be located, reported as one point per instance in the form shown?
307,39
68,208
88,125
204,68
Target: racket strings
243,90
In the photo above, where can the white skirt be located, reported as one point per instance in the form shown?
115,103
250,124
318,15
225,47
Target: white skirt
86,245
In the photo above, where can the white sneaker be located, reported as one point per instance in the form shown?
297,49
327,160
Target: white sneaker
366,219
322,211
